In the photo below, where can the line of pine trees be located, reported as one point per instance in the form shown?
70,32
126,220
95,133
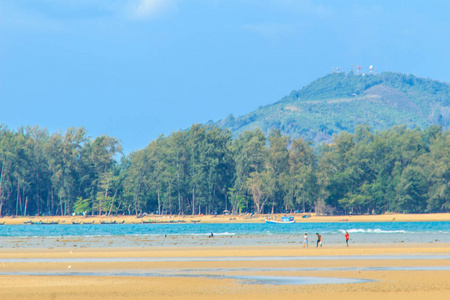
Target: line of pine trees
203,170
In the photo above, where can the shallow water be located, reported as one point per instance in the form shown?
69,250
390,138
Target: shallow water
227,273
219,258
245,279
183,234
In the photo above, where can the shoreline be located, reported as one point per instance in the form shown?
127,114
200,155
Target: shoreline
67,220
442,248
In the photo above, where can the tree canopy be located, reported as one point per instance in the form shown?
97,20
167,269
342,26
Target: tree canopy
203,170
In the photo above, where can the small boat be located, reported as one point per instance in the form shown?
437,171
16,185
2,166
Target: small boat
111,222
108,222
149,222
84,223
49,223
284,220
162,222
2,223
195,221
76,223
33,222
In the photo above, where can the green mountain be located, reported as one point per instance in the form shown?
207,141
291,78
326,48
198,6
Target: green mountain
339,102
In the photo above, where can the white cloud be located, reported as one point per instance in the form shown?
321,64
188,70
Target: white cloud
149,9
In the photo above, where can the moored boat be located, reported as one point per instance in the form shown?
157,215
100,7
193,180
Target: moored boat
40,223
49,223
162,222
284,220
85,223
111,222
108,222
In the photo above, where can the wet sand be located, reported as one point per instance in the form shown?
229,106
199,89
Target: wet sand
391,271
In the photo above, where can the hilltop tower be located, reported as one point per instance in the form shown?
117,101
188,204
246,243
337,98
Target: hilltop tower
358,70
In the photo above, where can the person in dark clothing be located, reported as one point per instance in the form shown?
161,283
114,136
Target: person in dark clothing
319,240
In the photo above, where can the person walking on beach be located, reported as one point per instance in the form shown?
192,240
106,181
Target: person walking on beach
347,236
319,240
305,240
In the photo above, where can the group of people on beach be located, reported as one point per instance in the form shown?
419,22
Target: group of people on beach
319,239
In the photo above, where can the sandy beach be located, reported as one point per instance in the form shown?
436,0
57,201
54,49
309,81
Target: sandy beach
243,218
417,271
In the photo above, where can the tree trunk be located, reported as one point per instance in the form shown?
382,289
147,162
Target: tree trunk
226,201
213,200
193,200
52,204
170,198
61,205
118,207
37,194
26,203
17,201
178,187
179,202
159,200
112,203
106,195
22,198
1,183
136,196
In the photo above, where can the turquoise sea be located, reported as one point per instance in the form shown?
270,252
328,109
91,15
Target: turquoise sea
239,234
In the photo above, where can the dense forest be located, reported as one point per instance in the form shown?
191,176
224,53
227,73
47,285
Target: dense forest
204,170
339,102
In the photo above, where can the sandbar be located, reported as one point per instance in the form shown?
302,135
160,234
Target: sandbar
389,271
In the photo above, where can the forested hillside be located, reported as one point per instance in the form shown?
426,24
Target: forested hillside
339,102
203,170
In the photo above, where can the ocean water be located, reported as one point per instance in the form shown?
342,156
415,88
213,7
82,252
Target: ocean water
239,234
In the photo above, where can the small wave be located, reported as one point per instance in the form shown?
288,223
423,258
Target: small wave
376,230
225,233
208,234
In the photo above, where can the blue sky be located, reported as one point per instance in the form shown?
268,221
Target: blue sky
135,69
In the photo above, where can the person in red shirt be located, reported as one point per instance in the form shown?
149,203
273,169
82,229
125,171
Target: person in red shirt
347,236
